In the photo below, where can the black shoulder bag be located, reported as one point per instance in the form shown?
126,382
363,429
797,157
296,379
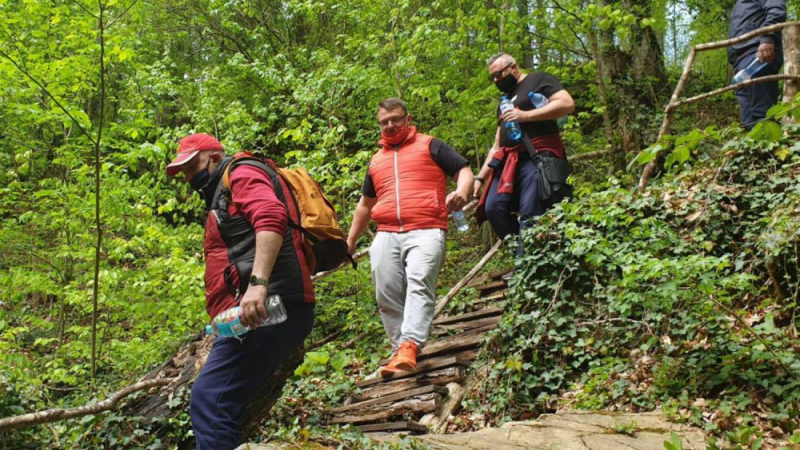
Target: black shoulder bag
553,174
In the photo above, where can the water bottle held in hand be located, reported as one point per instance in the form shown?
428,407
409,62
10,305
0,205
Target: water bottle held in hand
228,322
538,100
748,72
513,131
461,222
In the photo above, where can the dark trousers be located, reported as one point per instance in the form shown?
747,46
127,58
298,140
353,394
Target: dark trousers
756,100
235,370
525,199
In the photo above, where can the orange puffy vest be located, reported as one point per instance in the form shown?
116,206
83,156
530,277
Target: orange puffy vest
410,187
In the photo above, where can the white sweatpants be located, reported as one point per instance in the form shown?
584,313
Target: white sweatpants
405,267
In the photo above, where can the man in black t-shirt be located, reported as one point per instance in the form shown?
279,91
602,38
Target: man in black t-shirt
510,171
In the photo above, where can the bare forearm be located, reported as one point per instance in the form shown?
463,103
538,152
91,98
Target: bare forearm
556,109
268,244
464,180
361,219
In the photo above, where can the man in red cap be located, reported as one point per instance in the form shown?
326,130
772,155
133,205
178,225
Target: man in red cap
250,251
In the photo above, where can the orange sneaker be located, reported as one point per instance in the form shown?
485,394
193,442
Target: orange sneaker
389,369
406,358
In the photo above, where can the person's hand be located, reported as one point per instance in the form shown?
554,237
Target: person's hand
766,52
514,115
477,185
351,247
253,313
456,201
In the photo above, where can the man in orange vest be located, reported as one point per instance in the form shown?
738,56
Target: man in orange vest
404,192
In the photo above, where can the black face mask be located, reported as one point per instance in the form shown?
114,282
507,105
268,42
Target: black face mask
201,183
200,180
506,84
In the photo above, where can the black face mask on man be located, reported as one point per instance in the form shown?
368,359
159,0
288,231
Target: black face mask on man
201,183
506,84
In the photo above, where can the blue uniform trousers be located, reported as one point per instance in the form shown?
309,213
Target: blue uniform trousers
236,370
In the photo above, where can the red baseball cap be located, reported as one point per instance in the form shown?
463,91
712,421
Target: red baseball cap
189,147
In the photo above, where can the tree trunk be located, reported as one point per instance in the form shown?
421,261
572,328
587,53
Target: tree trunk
637,73
185,366
616,158
791,56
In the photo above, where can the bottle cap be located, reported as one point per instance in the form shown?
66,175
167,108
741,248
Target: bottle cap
505,98
209,330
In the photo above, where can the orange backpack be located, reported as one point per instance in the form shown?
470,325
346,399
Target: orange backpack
324,242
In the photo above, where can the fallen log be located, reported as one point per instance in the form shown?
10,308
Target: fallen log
53,415
184,368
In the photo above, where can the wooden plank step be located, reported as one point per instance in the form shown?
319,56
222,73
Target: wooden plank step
485,312
391,398
393,426
441,377
466,326
496,275
491,286
419,404
479,280
426,366
499,295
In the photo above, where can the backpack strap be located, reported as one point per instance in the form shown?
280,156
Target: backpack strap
273,174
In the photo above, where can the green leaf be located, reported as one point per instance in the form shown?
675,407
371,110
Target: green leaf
766,131
778,110
340,361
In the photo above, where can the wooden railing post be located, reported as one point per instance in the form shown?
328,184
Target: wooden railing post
791,63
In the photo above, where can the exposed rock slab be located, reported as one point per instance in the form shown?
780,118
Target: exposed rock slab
574,430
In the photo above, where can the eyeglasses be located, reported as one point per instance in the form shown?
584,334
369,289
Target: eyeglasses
396,120
496,75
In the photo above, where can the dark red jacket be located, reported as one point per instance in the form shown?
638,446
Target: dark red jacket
256,204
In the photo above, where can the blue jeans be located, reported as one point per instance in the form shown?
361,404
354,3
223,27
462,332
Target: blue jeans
756,100
236,371
524,200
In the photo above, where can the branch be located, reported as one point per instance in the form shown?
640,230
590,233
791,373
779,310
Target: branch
457,288
84,8
122,14
745,37
37,83
53,415
733,87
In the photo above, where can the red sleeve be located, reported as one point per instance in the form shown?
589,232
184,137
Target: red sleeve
254,195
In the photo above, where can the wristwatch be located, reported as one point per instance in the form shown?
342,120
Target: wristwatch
254,280
480,179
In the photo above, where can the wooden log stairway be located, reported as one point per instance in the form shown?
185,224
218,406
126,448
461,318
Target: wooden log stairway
414,401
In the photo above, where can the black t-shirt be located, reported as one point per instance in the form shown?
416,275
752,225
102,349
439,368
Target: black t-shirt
540,82
443,155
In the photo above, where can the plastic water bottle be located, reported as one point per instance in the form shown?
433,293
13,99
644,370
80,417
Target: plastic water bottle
538,100
461,222
513,131
748,72
228,323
